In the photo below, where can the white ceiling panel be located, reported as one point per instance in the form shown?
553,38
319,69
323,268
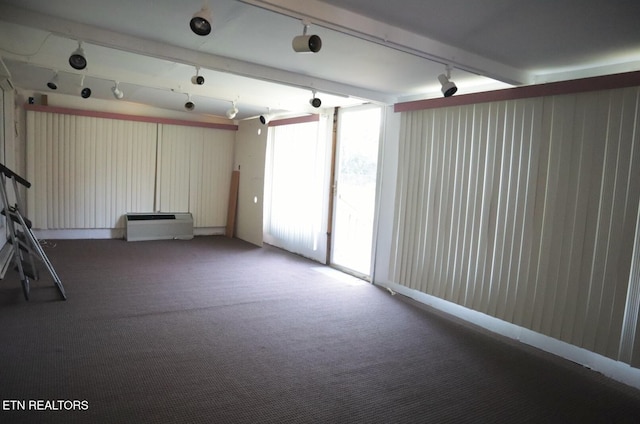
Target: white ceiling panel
372,51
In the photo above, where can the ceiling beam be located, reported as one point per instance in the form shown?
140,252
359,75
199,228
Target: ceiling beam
350,23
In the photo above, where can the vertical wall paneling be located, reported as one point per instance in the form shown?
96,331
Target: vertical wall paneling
88,172
526,210
194,172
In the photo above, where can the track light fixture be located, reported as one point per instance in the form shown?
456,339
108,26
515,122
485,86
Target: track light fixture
53,82
77,59
264,119
189,105
306,43
231,113
448,87
117,93
85,92
197,79
201,21
315,102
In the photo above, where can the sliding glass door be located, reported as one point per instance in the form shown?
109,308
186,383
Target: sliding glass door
298,214
356,169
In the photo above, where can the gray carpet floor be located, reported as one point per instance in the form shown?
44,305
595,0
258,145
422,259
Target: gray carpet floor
214,330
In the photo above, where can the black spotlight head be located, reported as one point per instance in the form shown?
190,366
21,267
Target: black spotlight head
77,59
263,120
315,43
315,102
189,105
85,93
52,85
449,88
197,80
451,91
201,22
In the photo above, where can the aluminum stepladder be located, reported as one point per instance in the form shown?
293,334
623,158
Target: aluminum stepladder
24,244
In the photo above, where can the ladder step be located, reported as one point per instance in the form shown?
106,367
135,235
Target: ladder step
13,214
29,271
22,242
26,240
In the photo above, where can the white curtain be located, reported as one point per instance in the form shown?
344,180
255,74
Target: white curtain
297,186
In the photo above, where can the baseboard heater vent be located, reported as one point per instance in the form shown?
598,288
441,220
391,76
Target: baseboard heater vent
159,226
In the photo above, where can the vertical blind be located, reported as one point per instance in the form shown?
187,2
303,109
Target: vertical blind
89,172
194,172
296,187
526,210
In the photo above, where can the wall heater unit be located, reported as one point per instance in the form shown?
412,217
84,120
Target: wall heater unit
159,226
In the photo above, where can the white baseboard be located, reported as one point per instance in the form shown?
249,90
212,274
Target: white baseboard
108,233
615,370
209,231
99,233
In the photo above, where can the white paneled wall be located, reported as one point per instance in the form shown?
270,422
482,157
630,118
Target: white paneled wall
526,210
194,172
87,172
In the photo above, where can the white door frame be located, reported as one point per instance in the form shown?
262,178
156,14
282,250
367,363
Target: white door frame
335,191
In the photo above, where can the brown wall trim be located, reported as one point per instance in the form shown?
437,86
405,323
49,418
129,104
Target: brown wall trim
123,117
606,82
297,120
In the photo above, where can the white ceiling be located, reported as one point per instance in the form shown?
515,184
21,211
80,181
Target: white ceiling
372,50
